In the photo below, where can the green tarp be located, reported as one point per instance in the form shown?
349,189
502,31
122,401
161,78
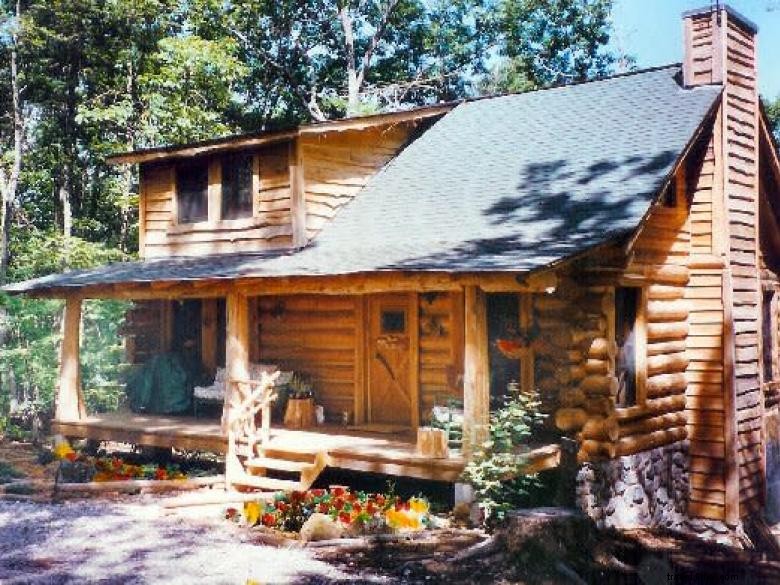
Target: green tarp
163,385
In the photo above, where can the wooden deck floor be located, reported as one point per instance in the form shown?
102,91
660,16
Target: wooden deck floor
392,454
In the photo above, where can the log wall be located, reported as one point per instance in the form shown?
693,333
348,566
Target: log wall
320,337
144,330
316,336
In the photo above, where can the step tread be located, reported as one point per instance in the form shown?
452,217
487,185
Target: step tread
268,483
277,464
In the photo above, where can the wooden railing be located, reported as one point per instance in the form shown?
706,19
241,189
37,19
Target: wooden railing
246,399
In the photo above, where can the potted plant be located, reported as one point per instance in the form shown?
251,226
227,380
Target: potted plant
299,412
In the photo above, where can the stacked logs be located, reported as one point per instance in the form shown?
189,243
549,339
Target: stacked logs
576,368
662,420
575,365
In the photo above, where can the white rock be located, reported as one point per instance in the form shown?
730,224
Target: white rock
320,527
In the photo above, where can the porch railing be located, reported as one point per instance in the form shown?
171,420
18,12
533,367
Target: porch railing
247,398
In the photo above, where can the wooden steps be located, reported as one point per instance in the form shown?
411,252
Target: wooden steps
264,483
270,463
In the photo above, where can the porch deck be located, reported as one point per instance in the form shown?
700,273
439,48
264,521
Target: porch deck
392,454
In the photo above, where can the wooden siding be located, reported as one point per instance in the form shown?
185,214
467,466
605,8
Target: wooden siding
740,140
338,164
269,228
320,336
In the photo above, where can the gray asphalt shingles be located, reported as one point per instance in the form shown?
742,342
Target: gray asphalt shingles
510,183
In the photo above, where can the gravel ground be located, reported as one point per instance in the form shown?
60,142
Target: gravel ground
121,542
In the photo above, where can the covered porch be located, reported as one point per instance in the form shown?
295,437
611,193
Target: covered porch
385,349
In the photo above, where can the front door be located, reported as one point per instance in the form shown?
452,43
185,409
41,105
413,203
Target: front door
389,395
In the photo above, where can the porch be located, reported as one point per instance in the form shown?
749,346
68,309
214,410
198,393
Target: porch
344,448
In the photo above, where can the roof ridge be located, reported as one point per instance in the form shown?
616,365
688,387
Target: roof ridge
573,83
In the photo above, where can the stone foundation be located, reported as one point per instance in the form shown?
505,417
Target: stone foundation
647,490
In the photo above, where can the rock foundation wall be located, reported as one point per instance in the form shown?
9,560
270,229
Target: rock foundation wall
647,490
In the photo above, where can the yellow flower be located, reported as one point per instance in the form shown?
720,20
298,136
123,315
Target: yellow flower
252,512
419,505
62,449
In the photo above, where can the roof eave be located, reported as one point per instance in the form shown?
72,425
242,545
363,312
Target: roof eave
243,141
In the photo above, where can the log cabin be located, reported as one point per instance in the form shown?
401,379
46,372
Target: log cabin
612,245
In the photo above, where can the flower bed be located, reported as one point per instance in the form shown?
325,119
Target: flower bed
78,467
338,507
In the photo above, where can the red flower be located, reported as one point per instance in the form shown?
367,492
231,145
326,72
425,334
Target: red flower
323,508
160,474
370,508
71,456
338,491
269,520
231,513
116,463
281,506
338,503
344,517
297,496
318,493
380,500
356,508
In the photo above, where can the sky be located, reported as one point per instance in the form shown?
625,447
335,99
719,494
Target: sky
651,31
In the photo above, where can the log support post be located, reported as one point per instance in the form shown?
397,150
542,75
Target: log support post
237,368
70,399
476,378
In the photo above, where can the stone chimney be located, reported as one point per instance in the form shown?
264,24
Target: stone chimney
720,48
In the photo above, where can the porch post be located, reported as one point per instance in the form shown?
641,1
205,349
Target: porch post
70,400
476,381
237,350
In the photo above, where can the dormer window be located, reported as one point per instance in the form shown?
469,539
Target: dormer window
192,191
237,186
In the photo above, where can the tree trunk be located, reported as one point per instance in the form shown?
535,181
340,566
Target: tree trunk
9,186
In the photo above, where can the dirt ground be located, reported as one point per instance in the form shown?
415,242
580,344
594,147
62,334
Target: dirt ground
134,539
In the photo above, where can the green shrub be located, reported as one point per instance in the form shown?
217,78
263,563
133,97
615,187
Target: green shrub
495,471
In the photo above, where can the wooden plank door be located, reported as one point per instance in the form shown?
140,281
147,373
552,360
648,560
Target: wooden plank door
391,356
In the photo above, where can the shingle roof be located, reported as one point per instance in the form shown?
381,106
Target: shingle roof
510,183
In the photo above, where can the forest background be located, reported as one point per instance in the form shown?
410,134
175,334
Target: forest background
82,79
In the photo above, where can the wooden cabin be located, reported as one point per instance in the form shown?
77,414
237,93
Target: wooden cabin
613,245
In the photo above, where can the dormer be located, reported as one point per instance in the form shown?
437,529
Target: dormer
271,191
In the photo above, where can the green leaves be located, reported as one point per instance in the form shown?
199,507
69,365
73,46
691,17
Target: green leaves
495,472
773,112
188,89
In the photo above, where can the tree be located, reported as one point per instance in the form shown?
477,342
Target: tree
773,112
327,58
551,42
11,131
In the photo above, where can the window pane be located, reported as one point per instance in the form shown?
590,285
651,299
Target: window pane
766,334
192,183
626,305
237,186
503,320
393,321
